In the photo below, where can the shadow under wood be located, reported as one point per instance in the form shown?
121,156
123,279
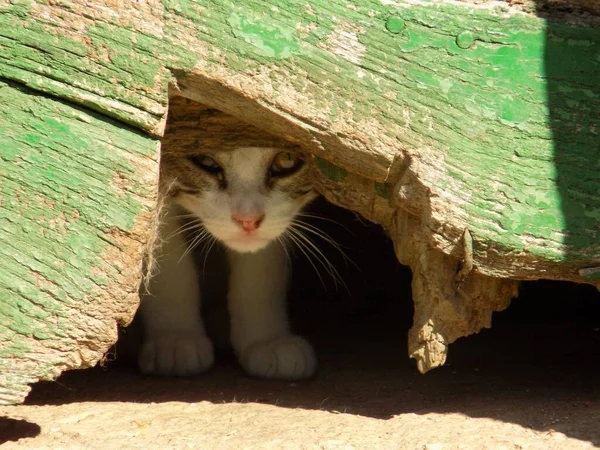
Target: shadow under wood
15,429
536,368
572,77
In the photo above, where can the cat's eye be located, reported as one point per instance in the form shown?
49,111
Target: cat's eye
209,165
206,163
285,163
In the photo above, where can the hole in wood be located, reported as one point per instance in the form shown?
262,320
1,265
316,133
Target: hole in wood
339,261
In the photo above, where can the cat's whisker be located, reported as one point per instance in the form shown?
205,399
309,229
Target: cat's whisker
185,216
320,256
327,219
198,239
301,246
321,259
332,269
212,241
314,230
288,260
187,227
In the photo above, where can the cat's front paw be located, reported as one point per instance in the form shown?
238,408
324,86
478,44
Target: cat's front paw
176,353
284,358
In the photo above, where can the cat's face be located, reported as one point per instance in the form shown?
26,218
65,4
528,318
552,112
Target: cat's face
246,197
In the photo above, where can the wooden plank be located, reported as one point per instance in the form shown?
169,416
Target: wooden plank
430,118
76,199
471,105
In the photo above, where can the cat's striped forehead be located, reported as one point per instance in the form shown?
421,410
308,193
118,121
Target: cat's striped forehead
245,158
249,166
245,168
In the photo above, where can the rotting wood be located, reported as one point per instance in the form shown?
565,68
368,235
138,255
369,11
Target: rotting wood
476,152
429,118
76,200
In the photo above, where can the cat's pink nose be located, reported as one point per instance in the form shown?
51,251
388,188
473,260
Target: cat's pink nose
248,222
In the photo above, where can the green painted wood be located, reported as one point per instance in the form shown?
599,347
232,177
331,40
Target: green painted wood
76,193
477,117
499,110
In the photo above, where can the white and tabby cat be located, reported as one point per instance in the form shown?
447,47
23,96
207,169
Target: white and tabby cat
246,198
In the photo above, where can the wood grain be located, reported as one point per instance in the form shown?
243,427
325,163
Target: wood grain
447,116
76,198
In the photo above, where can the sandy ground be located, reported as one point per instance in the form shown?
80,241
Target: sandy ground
519,386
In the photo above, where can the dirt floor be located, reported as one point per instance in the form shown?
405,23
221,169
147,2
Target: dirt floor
525,384
531,382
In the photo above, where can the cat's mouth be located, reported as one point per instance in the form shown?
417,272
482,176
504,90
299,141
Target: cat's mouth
244,241
247,242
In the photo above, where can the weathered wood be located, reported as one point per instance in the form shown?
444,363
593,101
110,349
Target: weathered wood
76,200
429,118
455,99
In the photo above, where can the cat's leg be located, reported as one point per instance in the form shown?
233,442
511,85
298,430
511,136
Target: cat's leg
260,331
175,342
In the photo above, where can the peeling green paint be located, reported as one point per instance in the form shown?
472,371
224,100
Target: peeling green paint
383,190
18,8
395,24
476,84
331,171
58,209
465,39
267,39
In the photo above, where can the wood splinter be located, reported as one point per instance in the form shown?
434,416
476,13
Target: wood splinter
467,263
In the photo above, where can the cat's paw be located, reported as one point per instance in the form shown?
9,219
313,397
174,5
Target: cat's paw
176,353
284,358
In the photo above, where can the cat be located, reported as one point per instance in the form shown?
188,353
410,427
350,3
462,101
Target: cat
247,199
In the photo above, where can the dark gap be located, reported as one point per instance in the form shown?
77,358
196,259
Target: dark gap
572,74
550,326
373,303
